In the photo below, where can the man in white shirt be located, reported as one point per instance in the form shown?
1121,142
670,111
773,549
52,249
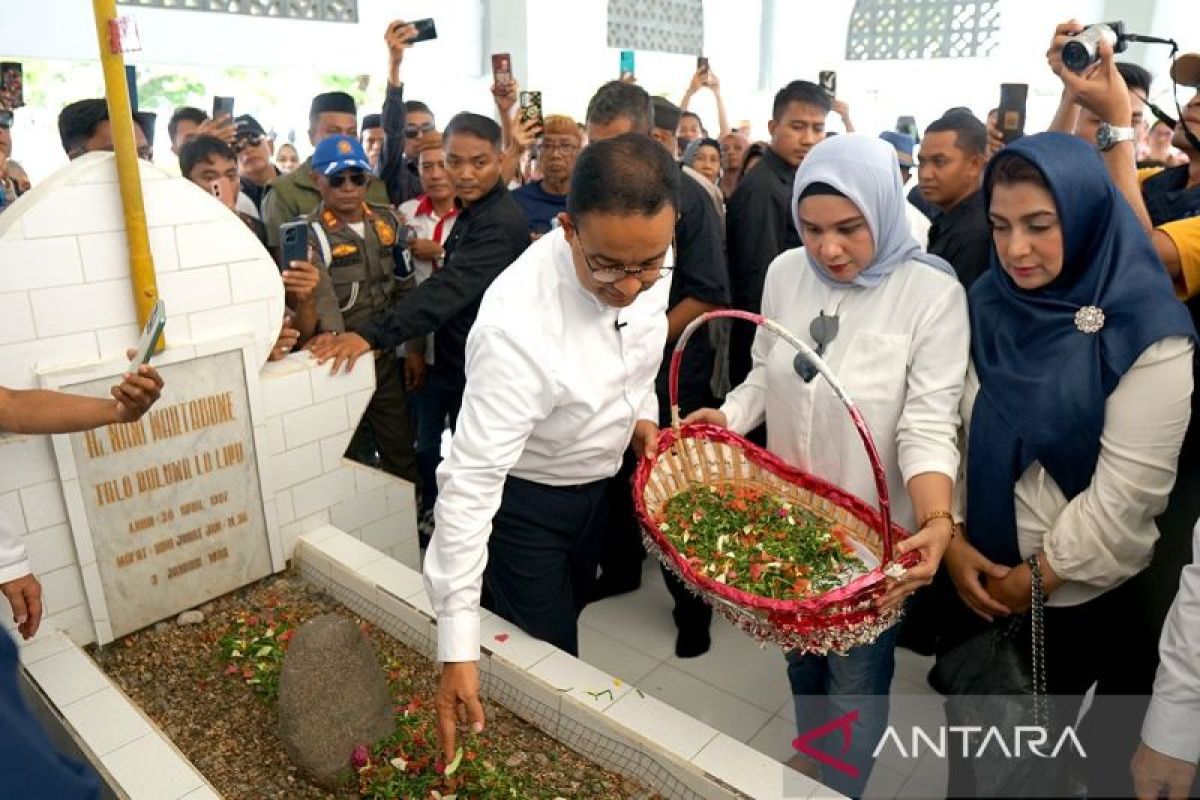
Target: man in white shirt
560,375
1165,761
29,764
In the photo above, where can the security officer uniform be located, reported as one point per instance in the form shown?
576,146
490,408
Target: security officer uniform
363,273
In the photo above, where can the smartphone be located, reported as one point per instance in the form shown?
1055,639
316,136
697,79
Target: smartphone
828,81
12,85
502,69
908,125
426,30
1011,116
293,237
222,107
627,70
150,335
702,64
131,85
531,107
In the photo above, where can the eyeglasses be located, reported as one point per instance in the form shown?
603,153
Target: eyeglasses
615,274
413,131
357,177
247,141
823,330
565,149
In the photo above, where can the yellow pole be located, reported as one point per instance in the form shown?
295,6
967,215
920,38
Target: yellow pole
120,118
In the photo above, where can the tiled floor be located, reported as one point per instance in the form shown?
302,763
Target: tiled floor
737,687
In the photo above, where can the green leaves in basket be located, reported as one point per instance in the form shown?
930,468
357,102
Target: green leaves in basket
753,540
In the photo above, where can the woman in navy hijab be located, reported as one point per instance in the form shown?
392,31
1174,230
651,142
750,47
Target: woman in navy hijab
1075,409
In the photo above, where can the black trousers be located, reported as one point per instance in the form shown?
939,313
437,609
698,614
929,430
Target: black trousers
621,560
542,557
387,425
1103,641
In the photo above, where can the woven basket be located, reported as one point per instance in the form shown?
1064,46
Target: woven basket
702,454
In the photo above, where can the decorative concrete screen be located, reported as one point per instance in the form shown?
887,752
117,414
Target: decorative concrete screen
315,10
915,29
666,26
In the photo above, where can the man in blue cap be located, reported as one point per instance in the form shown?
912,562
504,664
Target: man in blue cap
353,243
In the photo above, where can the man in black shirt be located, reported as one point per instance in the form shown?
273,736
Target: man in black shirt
489,234
759,217
699,283
953,155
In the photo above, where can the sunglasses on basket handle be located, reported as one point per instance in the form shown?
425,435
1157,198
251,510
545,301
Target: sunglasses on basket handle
823,330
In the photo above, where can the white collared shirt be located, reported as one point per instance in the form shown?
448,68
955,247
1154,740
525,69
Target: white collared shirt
556,381
900,352
1172,725
13,561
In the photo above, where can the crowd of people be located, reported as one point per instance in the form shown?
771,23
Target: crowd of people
1013,327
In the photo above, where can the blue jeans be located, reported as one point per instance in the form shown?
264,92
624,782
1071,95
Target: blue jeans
827,688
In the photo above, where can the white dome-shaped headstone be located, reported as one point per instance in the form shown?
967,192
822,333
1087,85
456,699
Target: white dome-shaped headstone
65,291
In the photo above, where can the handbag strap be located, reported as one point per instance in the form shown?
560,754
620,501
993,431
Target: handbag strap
1038,632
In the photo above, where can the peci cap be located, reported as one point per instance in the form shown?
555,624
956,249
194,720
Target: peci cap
246,125
333,103
904,145
338,154
372,121
1186,70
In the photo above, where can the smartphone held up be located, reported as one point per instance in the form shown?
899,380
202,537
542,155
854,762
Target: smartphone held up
531,108
1011,111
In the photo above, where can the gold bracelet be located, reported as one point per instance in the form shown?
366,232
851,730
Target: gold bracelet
932,515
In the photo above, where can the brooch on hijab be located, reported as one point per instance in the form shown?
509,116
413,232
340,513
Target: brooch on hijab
1089,319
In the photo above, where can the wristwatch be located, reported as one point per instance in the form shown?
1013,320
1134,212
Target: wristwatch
1109,136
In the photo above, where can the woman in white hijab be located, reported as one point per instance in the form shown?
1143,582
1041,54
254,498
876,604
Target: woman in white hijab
891,322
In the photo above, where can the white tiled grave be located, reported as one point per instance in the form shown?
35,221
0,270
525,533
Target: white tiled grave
621,723
737,688
137,756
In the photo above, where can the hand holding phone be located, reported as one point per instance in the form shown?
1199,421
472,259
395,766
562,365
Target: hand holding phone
150,336
628,73
1011,112
531,109
294,239
222,107
828,81
502,69
426,30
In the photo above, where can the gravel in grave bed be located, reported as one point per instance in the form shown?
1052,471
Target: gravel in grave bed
176,675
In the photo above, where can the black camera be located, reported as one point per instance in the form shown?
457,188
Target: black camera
1083,49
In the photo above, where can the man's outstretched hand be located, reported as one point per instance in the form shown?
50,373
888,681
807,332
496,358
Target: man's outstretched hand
458,702
345,348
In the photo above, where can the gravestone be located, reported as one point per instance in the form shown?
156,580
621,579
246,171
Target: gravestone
171,505
332,696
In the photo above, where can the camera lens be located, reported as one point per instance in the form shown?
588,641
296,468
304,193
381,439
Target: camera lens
1076,55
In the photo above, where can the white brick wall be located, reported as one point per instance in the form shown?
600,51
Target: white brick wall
43,504
191,290
311,424
16,318
65,299
40,263
83,307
